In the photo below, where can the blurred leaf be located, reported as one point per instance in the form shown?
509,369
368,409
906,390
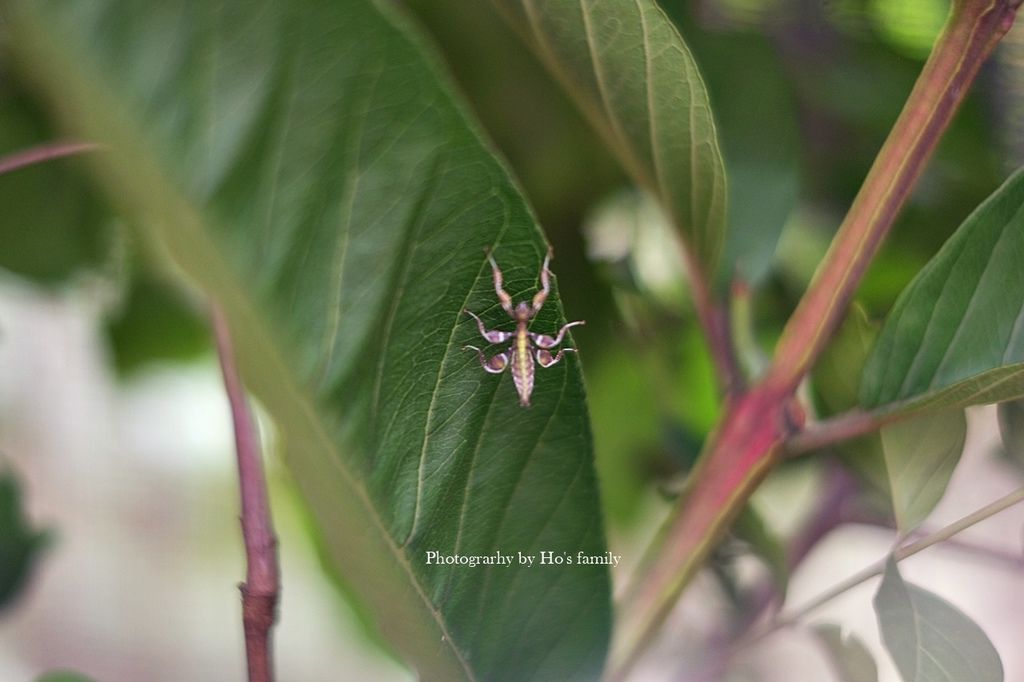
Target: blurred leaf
956,335
921,454
1011,428
633,76
155,324
836,378
51,223
910,25
19,544
751,528
929,639
850,659
304,164
760,143
63,676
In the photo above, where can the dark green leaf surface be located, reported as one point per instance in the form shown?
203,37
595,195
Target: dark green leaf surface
19,543
929,639
634,77
850,659
51,224
303,163
1011,429
63,676
956,335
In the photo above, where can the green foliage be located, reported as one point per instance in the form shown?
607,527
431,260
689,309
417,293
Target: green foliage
635,79
929,639
305,165
20,545
153,324
1011,428
955,336
52,223
850,658
63,676
920,456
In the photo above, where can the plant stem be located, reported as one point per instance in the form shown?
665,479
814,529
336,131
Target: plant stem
45,152
758,424
900,554
841,427
971,32
262,581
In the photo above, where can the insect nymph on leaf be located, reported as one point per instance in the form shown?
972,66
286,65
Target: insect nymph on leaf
527,347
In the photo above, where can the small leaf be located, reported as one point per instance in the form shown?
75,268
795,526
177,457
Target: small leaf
955,336
836,380
929,639
63,676
19,544
1011,428
850,658
631,73
752,528
921,453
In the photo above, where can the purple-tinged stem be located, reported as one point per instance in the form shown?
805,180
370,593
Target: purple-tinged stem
262,580
46,152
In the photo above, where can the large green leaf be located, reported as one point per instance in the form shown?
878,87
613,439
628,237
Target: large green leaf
956,334
929,639
303,163
634,77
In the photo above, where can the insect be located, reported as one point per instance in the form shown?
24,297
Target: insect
528,347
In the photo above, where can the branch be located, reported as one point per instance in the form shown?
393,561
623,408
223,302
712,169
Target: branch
757,424
900,554
971,32
262,580
33,155
842,427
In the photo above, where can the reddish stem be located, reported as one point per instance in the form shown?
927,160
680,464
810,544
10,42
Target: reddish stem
33,155
262,581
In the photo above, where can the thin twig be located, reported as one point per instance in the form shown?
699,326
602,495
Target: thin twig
262,580
878,568
45,152
841,427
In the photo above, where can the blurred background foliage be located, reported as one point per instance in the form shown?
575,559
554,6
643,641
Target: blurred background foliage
804,92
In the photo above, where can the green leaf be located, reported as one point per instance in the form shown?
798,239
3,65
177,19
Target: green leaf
19,544
152,324
760,143
751,527
304,164
63,676
633,76
956,334
850,659
1011,428
836,378
929,639
921,454
51,225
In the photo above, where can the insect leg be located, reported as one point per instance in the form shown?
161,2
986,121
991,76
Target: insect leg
496,365
491,335
506,300
545,341
545,284
545,359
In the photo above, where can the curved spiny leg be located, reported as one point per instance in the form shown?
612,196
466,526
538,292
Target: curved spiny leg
503,297
545,359
545,341
545,284
491,335
496,365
